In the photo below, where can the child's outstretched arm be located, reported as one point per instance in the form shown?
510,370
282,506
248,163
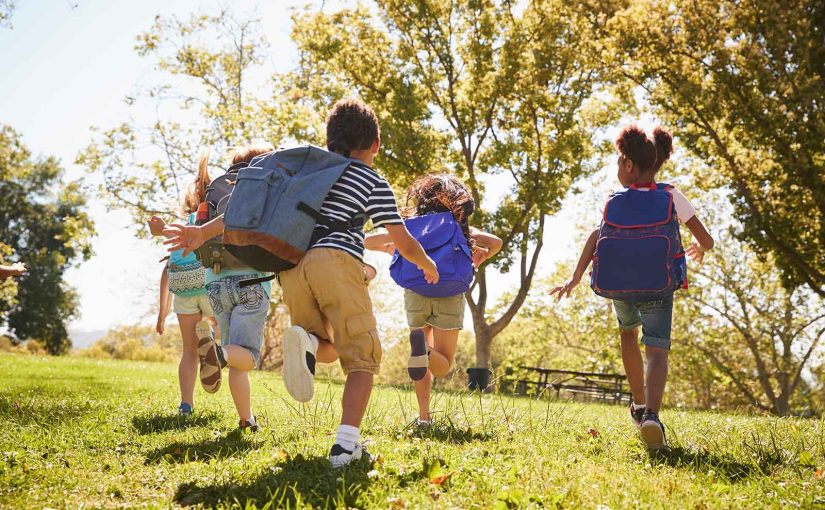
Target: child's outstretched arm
379,242
411,250
702,240
165,302
584,261
16,269
191,237
486,246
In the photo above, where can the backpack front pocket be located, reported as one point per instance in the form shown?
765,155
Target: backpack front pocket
248,201
632,264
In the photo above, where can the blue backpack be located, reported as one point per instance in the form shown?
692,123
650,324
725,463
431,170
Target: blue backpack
441,237
275,205
639,255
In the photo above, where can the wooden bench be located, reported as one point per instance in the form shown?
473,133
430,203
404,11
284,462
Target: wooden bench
596,385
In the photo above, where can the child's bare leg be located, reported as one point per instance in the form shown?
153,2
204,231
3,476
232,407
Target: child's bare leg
357,392
443,352
238,357
442,343
239,387
657,368
423,387
240,361
633,364
188,366
326,352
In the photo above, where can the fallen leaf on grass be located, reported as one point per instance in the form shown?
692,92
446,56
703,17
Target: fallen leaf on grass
282,454
440,480
593,433
820,474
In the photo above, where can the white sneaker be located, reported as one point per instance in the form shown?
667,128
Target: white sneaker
299,364
341,457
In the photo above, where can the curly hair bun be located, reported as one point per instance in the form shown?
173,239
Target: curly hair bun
664,145
634,144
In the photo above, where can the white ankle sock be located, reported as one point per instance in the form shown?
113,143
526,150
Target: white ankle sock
639,406
314,340
348,436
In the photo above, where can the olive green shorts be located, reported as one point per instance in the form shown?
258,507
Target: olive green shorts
441,313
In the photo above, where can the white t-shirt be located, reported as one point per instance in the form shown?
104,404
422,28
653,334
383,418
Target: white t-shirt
684,209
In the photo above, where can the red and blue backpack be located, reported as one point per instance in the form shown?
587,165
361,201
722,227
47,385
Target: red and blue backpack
639,255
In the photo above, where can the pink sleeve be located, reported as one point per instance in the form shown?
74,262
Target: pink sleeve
684,209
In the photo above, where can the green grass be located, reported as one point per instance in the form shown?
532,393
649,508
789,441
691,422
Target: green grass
79,432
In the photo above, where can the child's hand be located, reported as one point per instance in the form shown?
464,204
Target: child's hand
183,237
160,326
566,289
16,269
480,254
389,248
696,252
156,225
430,272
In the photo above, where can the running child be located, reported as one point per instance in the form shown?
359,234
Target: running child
241,312
435,322
326,292
184,278
639,263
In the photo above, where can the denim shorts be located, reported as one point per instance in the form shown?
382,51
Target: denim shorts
241,312
655,317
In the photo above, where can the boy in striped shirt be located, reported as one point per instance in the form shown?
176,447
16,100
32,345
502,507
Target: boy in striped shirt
326,293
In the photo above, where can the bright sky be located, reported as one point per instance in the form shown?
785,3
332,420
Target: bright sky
69,68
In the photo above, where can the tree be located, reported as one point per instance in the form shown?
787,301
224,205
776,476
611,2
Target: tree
497,96
761,335
744,82
6,11
42,219
206,63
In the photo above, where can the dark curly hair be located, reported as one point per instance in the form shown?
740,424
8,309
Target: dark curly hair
664,146
351,125
634,144
436,193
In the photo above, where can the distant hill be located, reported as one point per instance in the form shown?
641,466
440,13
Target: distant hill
82,339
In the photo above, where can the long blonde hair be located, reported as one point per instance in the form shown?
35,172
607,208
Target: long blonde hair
196,192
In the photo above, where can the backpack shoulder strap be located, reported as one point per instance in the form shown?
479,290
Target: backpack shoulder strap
335,225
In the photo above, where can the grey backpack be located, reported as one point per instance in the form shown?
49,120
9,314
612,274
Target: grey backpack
275,205
214,254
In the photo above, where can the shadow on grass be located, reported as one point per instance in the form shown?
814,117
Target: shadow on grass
150,424
236,442
700,461
449,433
295,482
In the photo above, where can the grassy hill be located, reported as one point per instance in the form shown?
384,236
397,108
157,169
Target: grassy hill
80,432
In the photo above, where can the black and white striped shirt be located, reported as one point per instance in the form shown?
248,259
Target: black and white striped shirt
359,190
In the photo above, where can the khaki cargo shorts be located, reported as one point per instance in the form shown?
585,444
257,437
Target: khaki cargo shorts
441,313
327,295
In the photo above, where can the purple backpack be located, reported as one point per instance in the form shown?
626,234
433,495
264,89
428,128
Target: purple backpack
639,255
441,237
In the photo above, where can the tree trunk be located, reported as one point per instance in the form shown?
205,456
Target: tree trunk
782,405
484,347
